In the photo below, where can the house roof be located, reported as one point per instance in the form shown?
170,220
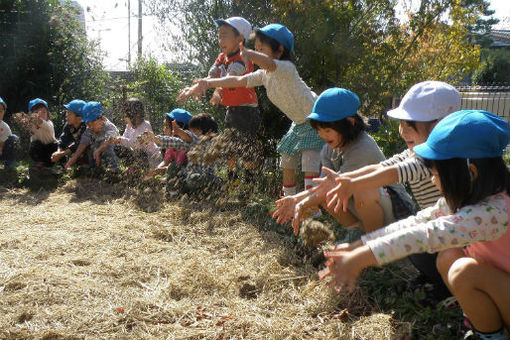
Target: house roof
501,38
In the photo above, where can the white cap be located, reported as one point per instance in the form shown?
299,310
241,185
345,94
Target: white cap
427,101
240,24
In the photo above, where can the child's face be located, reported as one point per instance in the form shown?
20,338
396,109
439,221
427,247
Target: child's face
2,111
265,49
414,137
330,136
41,111
228,41
128,121
72,118
196,131
435,179
96,125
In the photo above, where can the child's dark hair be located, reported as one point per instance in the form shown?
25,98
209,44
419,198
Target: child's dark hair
169,120
204,122
412,123
348,130
458,188
275,45
135,111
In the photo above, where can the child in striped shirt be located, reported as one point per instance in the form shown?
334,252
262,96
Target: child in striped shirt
469,226
419,111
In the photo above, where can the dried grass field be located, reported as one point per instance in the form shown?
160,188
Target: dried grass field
86,262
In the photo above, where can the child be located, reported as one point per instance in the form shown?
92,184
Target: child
72,132
137,155
197,175
419,111
348,147
7,140
99,129
469,226
42,140
242,114
274,44
175,125
181,118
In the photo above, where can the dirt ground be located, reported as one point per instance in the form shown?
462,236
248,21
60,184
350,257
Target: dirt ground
86,262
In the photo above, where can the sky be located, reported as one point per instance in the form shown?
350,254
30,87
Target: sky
107,21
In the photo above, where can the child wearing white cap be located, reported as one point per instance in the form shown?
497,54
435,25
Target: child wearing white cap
242,113
422,107
469,226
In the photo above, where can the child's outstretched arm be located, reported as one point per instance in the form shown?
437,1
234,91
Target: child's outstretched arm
260,59
344,266
179,132
349,183
81,148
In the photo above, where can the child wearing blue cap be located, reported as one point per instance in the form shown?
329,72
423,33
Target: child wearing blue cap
7,140
42,140
273,46
175,126
71,133
99,130
469,226
348,147
136,155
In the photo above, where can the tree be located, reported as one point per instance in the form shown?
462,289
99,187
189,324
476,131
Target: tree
45,53
494,68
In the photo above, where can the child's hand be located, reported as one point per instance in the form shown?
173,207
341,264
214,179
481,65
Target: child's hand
113,140
56,156
197,91
70,163
215,99
338,196
285,209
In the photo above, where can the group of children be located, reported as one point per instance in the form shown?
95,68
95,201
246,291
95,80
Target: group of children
459,238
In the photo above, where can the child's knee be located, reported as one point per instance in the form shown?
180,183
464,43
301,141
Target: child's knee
462,273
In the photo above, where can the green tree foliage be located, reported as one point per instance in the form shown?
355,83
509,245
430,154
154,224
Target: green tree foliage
45,53
494,68
157,87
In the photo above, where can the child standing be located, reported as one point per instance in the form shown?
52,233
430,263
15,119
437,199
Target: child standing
137,155
42,140
242,115
274,44
72,132
469,226
99,129
422,107
7,140
348,147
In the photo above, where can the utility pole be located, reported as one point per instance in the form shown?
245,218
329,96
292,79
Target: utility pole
129,32
139,29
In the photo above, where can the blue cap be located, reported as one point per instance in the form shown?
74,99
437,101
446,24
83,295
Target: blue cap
334,104
92,111
180,115
281,34
3,103
466,134
75,106
35,102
